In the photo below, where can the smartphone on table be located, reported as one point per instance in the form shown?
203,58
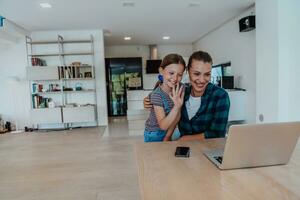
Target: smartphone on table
182,152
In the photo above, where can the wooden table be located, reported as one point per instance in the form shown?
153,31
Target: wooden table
164,176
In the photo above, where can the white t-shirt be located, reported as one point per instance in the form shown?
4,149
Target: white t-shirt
192,106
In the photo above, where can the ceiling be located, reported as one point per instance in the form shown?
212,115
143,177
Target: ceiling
146,22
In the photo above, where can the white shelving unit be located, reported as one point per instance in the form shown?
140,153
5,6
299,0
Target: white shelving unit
71,87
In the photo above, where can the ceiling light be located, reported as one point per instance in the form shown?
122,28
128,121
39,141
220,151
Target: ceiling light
127,38
45,5
128,4
166,37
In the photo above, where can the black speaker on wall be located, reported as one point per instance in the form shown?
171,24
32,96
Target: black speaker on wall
247,23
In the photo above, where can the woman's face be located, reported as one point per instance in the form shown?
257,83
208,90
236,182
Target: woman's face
200,74
172,74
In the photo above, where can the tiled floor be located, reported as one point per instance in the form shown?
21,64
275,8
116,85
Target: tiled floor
86,164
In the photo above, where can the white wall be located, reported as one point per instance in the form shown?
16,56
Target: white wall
289,51
149,80
228,44
14,90
267,59
278,53
13,62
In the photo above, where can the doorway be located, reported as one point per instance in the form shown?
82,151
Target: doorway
122,74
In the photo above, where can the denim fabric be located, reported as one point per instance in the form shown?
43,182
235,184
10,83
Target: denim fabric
154,136
176,135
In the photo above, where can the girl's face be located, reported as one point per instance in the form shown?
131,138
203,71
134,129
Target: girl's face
200,74
172,74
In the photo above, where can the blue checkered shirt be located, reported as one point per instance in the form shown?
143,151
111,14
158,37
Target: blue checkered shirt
212,116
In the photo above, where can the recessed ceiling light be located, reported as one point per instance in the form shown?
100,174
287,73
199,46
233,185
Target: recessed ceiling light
127,38
166,37
128,4
45,5
194,4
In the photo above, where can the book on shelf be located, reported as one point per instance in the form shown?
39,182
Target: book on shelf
69,72
39,101
66,72
61,72
73,72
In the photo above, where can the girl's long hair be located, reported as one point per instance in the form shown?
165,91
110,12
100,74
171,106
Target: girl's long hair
168,60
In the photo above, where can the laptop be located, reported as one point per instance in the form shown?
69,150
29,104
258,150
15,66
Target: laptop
256,145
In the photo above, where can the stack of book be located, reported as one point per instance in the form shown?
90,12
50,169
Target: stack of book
69,72
39,101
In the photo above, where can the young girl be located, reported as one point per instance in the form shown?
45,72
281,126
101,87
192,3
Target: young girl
167,99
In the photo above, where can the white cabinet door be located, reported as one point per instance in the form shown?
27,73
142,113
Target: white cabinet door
135,99
46,115
79,114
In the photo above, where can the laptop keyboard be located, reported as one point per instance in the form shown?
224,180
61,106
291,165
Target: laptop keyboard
219,159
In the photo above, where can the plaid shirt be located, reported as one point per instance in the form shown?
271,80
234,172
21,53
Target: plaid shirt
212,116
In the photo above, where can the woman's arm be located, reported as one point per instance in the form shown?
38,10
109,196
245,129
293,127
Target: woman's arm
147,103
218,125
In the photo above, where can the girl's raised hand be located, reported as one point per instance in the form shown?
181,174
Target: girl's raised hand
177,96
